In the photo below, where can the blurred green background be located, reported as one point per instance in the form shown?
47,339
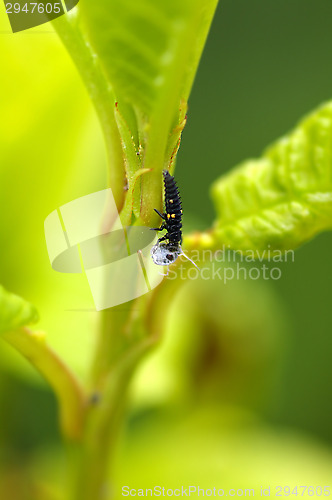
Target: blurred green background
266,64
245,402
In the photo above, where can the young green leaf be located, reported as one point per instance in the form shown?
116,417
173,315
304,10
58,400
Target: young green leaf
144,55
149,49
284,198
15,312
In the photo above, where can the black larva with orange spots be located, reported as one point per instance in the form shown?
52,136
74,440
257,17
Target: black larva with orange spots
173,215
168,247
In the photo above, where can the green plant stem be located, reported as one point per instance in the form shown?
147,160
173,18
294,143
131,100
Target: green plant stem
124,336
71,398
112,343
104,425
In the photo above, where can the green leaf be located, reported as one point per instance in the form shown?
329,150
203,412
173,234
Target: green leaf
15,312
284,198
149,49
142,56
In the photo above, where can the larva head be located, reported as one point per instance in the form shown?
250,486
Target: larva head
164,254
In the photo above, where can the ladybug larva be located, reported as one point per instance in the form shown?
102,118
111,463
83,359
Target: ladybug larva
168,247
